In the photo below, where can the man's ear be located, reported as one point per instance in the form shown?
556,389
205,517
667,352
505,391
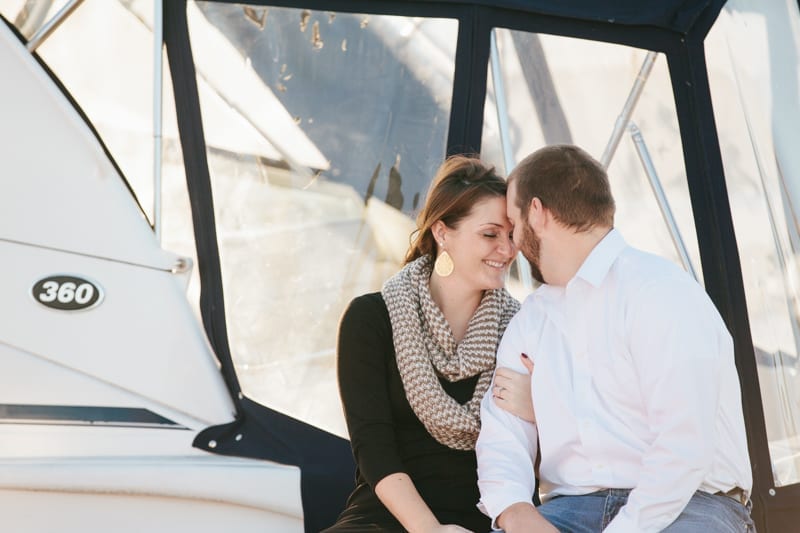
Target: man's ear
536,213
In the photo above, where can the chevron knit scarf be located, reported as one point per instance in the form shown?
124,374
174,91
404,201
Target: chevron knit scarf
425,349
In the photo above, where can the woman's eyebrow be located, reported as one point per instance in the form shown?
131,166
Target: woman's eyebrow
499,225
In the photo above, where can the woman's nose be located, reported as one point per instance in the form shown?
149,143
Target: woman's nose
507,247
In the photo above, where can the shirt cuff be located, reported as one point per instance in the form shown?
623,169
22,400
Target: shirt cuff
493,505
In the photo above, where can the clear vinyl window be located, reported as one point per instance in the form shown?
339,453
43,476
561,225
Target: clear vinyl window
546,89
753,62
323,130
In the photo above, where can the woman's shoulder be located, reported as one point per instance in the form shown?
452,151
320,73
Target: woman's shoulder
367,308
369,303
365,323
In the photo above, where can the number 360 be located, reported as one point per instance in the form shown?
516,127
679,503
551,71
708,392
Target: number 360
66,292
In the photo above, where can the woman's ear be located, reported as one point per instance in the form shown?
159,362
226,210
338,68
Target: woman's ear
439,232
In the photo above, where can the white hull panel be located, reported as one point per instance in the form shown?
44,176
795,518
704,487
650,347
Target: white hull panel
156,493
45,512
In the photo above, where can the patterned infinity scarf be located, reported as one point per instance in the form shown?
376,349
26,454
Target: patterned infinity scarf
425,349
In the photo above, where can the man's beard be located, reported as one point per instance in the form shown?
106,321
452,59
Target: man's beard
531,249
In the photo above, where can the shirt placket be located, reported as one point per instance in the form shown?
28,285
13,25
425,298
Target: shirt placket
577,317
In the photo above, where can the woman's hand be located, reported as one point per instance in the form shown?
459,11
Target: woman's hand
512,391
398,493
452,528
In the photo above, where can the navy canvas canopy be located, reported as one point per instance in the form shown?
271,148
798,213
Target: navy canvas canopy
674,27
673,15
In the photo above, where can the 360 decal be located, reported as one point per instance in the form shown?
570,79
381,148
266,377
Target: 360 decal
67,293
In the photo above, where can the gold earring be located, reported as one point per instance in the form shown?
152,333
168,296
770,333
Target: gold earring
444,264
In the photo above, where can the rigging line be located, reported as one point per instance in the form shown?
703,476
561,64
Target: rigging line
661,198
181,265
51,25
627,110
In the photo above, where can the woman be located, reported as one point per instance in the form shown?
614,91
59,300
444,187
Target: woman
415,360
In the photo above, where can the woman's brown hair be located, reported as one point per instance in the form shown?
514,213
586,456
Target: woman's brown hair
460,183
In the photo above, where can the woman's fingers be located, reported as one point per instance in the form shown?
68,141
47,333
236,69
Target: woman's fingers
502,381
504,374
527,361
512,392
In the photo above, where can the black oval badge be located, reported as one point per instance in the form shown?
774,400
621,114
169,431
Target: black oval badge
68,293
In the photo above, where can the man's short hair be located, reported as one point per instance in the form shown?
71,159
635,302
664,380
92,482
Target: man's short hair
569,182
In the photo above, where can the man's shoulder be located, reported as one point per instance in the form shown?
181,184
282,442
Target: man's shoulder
529,318
646,278
639,267
532,304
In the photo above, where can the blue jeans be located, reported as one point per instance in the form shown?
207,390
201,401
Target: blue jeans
591,513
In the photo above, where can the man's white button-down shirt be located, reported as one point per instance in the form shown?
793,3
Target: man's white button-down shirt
634,386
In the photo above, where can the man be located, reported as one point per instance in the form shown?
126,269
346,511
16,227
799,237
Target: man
636,398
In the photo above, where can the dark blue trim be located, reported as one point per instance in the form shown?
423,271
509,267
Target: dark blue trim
469,85
198,182
84,415
327,469
672,15
717,244
325,460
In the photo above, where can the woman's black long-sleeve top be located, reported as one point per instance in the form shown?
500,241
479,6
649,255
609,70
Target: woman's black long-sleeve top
386,435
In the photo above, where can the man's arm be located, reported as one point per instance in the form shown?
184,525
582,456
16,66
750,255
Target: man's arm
678,344
506,447
524,518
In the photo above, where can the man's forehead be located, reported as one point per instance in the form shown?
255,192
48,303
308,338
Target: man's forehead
512,210
511,191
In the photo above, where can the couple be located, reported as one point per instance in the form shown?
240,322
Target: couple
632,417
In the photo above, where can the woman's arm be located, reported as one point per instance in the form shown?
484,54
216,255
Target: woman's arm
362,365
512,390
398,494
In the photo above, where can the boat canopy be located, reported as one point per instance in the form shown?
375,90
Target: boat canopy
307,133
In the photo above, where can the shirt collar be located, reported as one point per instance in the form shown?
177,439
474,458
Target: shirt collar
597,264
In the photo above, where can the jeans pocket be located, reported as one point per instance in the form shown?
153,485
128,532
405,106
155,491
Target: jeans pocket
736,516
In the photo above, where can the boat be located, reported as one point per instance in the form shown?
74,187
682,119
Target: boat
192,192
